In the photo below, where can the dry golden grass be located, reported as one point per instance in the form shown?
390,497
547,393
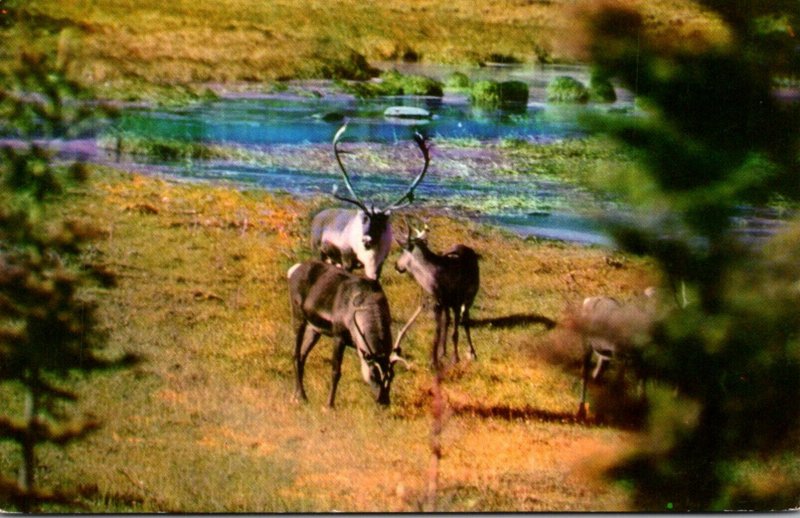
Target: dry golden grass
120,44
205,423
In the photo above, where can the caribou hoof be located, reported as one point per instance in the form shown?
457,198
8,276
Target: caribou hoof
583,414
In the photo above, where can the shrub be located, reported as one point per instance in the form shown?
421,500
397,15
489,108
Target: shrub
514,92
395,83
339,63
726,366
491,94
421,85
601,90
504,59
457,81
485,93
566,89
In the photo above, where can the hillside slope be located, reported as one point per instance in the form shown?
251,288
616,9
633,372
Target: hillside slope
112,43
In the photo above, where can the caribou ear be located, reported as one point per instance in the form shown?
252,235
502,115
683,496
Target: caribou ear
395,357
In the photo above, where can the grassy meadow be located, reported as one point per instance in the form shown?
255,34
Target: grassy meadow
205,422
137,49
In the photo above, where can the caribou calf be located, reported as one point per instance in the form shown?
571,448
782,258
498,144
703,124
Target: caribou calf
452,279
354,311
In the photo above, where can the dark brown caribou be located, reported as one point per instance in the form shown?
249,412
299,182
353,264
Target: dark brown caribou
327,300
451,278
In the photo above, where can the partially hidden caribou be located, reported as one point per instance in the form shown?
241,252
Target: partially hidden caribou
361,237
451,278
613,331
327,300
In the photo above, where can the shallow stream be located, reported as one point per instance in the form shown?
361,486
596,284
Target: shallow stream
302,121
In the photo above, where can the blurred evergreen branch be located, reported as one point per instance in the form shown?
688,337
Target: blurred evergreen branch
727,366
48,328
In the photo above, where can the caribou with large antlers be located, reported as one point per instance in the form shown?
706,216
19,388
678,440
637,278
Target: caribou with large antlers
362,236
326,300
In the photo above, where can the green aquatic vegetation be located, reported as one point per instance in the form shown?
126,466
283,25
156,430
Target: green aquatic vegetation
584,161
174,150
161,149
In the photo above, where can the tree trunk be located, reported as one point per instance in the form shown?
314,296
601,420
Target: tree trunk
27,469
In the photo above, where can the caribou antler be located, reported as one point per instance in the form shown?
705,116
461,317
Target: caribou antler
395,356
418,234
355,200
408,197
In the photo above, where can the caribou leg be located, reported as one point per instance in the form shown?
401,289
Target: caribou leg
306,340
465,319
587,364
437,312
336,369
456,322
443,335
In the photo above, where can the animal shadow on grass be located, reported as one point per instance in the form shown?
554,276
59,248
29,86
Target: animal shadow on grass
513,413
528,413
515,320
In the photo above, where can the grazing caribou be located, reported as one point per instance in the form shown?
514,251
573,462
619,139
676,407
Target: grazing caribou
613,331
451,278
354,311
359,237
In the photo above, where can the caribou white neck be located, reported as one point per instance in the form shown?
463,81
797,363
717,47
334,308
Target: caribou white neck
371,258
